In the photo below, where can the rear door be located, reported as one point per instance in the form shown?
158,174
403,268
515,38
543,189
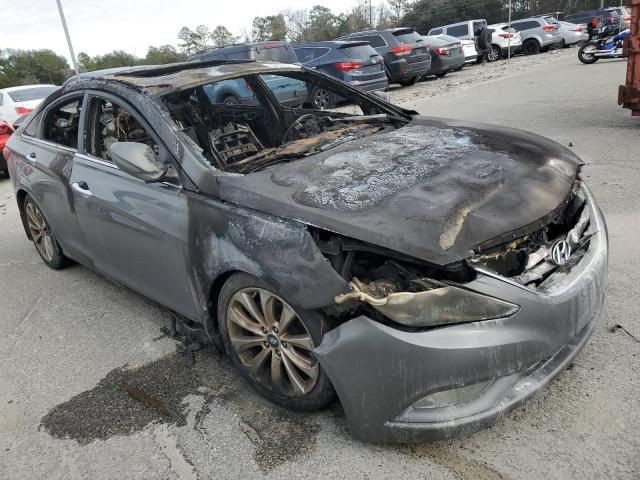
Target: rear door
48,147
289,91
137,231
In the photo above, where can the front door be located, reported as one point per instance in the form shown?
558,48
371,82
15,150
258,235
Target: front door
137,231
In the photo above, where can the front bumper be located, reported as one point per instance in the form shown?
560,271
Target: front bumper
380,372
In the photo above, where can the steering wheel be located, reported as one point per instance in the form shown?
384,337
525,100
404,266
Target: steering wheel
295,123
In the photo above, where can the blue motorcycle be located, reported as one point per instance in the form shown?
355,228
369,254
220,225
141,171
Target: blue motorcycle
609,46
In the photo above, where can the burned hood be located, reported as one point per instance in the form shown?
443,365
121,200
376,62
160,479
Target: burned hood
434,189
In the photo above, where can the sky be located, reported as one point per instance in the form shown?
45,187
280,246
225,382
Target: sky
100,26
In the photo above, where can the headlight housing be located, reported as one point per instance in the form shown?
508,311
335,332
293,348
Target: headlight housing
444,305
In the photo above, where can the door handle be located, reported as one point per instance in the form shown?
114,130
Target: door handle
82,188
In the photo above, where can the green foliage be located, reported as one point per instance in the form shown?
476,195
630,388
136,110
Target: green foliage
221,36
273,27
163,55
193,41
25,67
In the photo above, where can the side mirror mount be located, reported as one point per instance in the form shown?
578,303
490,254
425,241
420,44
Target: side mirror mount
138,160
383,95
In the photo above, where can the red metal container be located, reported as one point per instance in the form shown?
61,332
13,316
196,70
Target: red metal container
629,94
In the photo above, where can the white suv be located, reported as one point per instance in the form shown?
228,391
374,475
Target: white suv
503,38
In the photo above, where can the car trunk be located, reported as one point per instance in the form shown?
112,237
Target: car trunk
366,62
434,189
419,48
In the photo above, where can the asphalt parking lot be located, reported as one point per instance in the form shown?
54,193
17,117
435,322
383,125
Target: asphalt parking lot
71,342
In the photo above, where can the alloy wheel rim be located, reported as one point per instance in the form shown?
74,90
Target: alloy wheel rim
39,232
271,342
321,99
492,55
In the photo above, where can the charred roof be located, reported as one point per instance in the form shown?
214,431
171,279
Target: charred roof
163,79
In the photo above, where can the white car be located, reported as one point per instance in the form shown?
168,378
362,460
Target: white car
573,34
18,101
503,38
469,50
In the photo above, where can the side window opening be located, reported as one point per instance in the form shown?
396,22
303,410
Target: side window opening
31,130
111,123
61,123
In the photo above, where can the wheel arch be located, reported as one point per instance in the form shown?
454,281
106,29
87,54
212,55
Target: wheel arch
21,195
213,296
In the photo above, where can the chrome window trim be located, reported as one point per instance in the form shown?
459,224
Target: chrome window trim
29,138
97,160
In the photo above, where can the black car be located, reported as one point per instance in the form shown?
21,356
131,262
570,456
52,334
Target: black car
434,274
356,63
271,51
406,57
446,54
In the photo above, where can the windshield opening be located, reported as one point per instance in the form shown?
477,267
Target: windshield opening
248,123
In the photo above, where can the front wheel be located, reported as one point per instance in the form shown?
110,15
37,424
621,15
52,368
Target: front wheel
586,54
271,342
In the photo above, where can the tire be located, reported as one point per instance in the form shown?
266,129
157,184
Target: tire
263,353
563,44
42,236
408,82
531,47
583,54
322,99
441,74
231,100
494,53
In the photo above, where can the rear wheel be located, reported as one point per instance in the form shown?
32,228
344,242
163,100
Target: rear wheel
409,81
322,99
586,54
531,47
271,341
494,53
42,236
231,100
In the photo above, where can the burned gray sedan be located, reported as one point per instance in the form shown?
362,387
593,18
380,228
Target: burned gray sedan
433,274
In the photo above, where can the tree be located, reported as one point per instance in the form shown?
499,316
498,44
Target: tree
85,62
221,37
23,67
164,54
398,8
117,58
297,24
323,24
194,41
273,27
